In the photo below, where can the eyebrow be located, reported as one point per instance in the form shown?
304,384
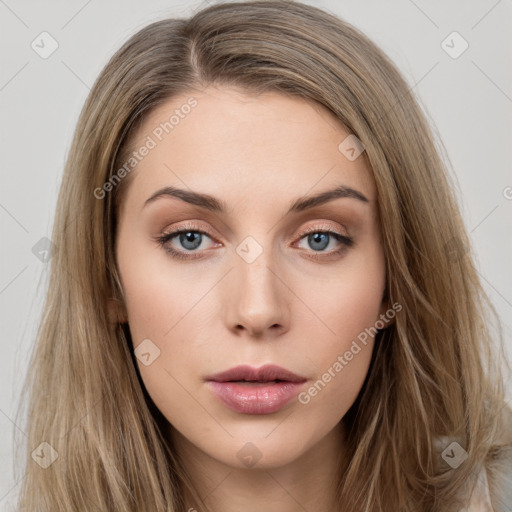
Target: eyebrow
215,205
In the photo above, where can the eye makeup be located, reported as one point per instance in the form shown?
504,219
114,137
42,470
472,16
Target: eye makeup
311,233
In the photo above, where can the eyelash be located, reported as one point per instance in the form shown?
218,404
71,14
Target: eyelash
162,240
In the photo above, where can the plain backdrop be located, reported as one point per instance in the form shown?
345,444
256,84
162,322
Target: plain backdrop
466,93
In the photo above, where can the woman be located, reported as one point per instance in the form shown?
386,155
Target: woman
263,297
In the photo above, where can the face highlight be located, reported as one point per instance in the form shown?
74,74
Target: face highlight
226,260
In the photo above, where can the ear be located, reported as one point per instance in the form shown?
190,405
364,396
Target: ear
117,311
384,306
387,313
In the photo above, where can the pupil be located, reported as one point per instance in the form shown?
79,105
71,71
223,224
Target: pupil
319,240
190,240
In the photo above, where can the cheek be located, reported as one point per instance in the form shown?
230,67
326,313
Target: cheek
167,321
347,307
157,293
347,302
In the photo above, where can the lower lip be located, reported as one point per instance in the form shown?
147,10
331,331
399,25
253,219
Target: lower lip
260,398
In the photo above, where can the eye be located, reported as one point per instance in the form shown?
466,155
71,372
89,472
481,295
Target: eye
319,240
189,239
189,242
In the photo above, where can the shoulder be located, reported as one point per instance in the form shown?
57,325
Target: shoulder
480,497
496,476
491,490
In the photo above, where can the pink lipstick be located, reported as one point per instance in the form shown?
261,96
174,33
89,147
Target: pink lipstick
251,390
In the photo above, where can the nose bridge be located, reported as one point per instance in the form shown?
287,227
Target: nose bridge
257,300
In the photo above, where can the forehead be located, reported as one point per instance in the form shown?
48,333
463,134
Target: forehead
268,148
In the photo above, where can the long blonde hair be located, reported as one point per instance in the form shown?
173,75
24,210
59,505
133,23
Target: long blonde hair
434,374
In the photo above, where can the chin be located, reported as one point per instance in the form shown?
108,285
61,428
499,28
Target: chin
260,452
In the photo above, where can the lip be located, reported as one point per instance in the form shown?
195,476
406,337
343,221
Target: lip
266,372
253,397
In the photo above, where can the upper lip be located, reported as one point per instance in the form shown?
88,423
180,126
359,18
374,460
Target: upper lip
265,373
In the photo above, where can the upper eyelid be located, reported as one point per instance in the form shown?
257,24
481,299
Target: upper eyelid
325,228
302,232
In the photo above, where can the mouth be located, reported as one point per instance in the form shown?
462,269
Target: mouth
266,374
255,382
249,390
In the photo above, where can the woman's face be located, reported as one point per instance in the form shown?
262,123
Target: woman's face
261,275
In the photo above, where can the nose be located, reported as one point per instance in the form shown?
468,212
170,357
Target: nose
257,299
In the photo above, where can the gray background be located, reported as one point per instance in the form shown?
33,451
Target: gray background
468,100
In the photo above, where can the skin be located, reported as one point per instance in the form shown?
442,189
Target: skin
258,154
